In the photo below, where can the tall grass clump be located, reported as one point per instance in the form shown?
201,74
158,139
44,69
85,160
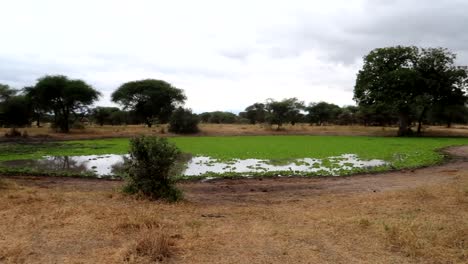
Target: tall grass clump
151,246
150,167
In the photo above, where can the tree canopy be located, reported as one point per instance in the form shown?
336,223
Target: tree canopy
6,92
103,115
322,112
62,96
152,100
285,111
406,80
255,113
14,109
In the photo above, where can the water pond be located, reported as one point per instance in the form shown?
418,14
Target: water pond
111,166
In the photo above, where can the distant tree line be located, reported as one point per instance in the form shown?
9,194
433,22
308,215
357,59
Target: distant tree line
67,103
401,86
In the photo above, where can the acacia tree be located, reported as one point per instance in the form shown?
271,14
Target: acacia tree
6,92
149,99
403,79
255,113
37,109
280,112
63,97
322,112
14,110
103,115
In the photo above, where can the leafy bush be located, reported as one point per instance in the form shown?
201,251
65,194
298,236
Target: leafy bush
183,121
150,167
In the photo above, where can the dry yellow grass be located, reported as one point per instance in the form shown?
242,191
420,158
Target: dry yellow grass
91,222
94,131
231,129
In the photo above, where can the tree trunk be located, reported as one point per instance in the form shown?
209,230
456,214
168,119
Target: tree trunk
403,120
64,126
149,123
421,116
56,121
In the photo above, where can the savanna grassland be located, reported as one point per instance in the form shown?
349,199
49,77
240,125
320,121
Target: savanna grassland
404,216
416,216
107,131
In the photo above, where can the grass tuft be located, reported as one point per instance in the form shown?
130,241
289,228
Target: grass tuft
151,245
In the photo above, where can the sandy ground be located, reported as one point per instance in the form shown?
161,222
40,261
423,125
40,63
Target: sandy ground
414,216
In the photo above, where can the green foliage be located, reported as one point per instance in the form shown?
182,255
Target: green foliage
255,113
14,109
104,115
183,121
6,92
285,111
448,114
408,81
218,117
62,96
323,112
150,166
348,115
15,112
149,99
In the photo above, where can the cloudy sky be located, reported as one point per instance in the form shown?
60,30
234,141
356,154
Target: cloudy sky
224,54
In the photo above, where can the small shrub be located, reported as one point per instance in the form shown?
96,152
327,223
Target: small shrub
183,121
150,167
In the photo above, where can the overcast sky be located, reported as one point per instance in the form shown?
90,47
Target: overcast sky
225,55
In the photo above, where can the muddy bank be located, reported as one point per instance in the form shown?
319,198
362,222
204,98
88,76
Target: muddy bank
269,190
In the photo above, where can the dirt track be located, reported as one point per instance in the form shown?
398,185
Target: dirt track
267,190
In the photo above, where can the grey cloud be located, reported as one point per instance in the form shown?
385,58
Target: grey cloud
346,37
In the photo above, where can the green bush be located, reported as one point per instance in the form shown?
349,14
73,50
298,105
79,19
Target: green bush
183,121
150,167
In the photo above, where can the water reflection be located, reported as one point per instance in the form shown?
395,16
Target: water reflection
100,165
330,166
112,165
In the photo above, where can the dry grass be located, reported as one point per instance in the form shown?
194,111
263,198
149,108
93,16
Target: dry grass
85,224
151,245
231,129
7,184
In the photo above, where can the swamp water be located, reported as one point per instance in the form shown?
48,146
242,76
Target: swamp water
110,166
